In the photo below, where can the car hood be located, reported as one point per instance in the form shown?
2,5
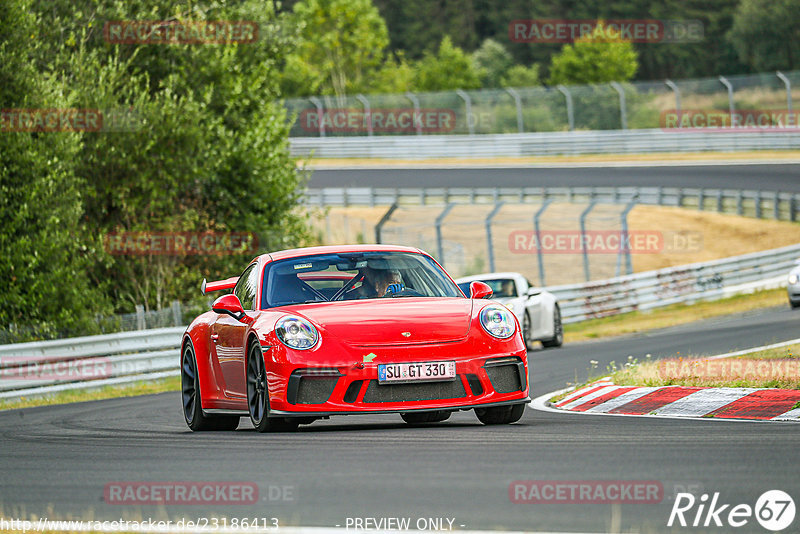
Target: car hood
406,320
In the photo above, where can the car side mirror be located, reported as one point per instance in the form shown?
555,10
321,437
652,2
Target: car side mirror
533,291
479,290
230,305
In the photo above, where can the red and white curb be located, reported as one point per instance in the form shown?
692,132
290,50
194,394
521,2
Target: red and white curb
753,404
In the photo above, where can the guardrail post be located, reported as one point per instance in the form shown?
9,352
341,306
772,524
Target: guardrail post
776,204
320,114
415,102
740,203
518,103
468,106
539,258
720,205
671,85
585,213
361,98
680,197
724,81
570,113
439,240
384,220
793,208
758,204
140,322
701,199
490,247
177,316
788,85
623,116
624,249
660,196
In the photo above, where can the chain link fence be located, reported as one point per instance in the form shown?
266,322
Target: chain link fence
611,106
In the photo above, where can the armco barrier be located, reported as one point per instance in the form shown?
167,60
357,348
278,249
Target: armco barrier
759,204
685,284
540,144
152,354
44,367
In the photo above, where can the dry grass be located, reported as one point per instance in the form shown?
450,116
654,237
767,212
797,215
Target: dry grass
755,370
669,103
676,314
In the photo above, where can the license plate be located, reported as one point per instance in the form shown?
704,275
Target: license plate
416,372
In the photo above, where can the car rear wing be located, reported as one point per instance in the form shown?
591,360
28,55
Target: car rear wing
208,287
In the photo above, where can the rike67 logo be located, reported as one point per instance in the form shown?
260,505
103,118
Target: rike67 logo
774,510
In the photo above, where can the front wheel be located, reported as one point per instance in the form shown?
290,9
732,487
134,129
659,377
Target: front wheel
500,415
258,398
558,330
416,418
193,414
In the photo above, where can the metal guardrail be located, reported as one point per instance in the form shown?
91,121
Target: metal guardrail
684,284
759,204
643,141
44,367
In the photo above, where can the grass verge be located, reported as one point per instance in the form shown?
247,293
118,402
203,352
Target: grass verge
771,368
673,315
108,392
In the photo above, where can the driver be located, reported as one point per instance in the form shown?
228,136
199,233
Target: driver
376,283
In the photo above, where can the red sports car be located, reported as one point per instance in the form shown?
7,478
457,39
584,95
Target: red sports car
341,330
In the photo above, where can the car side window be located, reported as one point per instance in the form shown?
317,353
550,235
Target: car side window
245,288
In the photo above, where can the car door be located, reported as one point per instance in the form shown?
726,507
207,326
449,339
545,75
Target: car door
228,336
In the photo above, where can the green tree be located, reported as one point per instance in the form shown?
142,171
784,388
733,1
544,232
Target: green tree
340,47
492,60
450,68
208,150
766,34
521,76
45,249
596,58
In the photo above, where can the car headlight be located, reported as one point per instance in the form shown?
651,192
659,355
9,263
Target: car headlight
793,279
498,321
296,332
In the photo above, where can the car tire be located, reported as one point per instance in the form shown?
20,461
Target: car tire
794,304
193,413
416,418
258,397
558,330
526,331
500,415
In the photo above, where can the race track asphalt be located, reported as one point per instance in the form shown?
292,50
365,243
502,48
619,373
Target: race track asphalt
763,176
57,460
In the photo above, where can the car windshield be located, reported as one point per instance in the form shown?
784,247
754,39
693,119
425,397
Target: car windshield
502,287
354,276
